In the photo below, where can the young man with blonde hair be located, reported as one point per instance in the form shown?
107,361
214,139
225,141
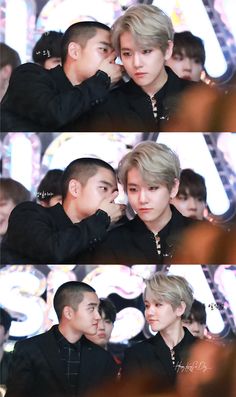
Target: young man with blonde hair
143,39
150,175
167,300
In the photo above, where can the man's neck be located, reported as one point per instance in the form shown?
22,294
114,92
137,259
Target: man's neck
71,73
69,334
173,334
71,212
153,88
158,224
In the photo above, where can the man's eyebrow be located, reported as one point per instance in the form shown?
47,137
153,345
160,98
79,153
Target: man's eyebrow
105,43
125,49
106,183
93,304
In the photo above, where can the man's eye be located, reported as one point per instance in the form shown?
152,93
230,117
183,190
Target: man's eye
126,54
147,51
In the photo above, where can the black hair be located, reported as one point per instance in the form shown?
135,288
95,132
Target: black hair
107,307
48,46
185,43
80,32
50,185
9,56
70,294
5,319
82,169
197,312
192,184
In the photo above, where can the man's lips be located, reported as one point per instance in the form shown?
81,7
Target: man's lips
140,74
102,335
145,209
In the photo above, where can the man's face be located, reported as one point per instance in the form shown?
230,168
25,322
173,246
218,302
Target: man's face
144,65
95,51
189,206
159,315
197,329
85,319
52,62
151,203
98,187
185,67
104,330
6,206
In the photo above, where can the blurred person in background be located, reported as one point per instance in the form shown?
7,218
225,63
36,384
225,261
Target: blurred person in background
9,60
191,197
49,191
196,321
12,193
107,312
188,56
47,50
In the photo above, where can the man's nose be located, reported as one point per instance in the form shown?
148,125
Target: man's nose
192,203
97,315
137,60
188,64
143,196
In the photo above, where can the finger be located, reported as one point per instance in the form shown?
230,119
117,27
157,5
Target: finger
113,196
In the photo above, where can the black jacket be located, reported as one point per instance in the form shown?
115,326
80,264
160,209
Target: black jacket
45,100
37,234
153,356
37,369
129,108
134,243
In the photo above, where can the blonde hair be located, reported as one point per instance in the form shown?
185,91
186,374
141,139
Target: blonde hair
148,24
156,162
171,289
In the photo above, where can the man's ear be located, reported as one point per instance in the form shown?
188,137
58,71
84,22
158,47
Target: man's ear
169,50
74,187
181,309
67,311
74,50
174,189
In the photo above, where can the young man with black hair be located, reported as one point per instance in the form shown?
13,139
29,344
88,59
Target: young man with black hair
48,100
190,200
60,234
196,320
107,312
188,57
62,362
5,357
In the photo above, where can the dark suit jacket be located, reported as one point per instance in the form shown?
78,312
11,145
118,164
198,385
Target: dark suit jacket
134,243
37,370
37,234
153,356
45,100
129,108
